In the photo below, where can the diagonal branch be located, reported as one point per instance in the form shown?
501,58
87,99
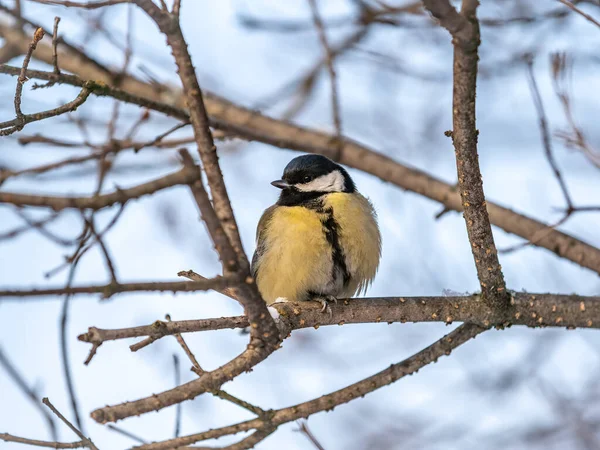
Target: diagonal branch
328,402
209,216
87,441
169,26
262,330
209,382
252,125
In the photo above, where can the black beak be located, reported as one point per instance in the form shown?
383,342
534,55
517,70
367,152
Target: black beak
281,184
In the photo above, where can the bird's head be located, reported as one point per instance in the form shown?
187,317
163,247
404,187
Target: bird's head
309,176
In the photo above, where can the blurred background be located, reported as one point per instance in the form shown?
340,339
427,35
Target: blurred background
515,389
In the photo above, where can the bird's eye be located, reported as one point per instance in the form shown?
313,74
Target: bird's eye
307,178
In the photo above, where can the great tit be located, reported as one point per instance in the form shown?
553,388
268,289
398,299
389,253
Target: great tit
320,241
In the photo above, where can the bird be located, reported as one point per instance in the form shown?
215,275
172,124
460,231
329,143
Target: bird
320,241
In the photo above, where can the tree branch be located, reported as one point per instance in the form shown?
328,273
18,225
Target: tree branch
107,290
252,125
213,224
263,331
328,402
531,310
37,443
464,137
183,176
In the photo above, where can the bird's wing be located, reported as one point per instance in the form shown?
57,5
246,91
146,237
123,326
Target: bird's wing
260,237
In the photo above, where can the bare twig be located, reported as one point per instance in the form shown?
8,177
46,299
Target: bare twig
12,126
217,233
547,143
191,275
335,102
97,88
82,4
263,331
37,37
169,26
546,139
108,290
83,438
580,12
303,428
36,443
561,70
198,370
54,45
178,407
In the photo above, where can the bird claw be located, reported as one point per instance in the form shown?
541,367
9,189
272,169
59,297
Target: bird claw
324,301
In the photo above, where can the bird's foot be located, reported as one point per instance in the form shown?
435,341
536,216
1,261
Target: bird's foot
325,300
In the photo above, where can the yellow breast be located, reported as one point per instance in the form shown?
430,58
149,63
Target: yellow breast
296,257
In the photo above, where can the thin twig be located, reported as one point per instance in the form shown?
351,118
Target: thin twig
125,433
54,45
119,196
178,406
335,102
37,37
530,309
546,139
580,12
37,443
108,290
198,370
303,428
12,126
85,439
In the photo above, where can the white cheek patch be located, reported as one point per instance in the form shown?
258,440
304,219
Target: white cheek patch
332,182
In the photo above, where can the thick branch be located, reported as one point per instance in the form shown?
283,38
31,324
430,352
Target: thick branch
456,24
531,310
255,126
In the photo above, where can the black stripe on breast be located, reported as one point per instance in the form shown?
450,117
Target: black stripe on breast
332,234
